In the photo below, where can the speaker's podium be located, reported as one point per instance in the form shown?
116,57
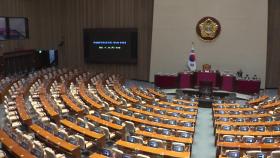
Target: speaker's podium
205,94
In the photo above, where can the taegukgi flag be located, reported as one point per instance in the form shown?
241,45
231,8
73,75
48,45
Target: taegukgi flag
192,60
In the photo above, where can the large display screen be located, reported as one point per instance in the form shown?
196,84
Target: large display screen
114,45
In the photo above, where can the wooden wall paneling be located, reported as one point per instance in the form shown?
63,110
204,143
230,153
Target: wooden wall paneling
273,45
54,21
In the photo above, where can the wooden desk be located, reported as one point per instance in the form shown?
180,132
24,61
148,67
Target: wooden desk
95,155
156,93
46,104
241,115
258,100
186,101
248,123
250,133
79,129
170,138
157,115
271,105
171,110
124,95
226,104
87,99
151,150
166,81
271,146
20,104
147,122
100,91
180,105
75,108
106,123
142,95
247,86
13,147
56,142
233,109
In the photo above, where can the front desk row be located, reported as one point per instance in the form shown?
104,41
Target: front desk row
247,131
192,80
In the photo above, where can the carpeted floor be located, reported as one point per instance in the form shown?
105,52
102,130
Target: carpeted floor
203,145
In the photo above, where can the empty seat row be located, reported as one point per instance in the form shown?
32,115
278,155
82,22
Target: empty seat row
248,139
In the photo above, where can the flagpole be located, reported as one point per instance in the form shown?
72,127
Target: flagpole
192,45
191,60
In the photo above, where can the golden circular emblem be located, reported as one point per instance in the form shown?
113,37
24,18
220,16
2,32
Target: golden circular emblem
208,28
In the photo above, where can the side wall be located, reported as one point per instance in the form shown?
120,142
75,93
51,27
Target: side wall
54,21
273,45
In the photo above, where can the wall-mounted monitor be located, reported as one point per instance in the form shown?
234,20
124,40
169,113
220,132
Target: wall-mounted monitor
13,28
3,28
111,45
17,28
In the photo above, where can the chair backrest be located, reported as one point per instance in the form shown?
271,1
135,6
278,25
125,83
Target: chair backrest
49,153
73,140
155,143
255,119
233,153
136,114
186,124
275,154
226,127
248,139
175,114
138,139
81,122
118,153
260,128
268,119
149,128
255,154
91,126
244,128
156,119
184,134
268,140
165,131
81,141
2,154
142,156
228,138
129,126
220,112
38,149
62,134
247,112
106,132
107,152
54,127
131,139
116,120
224,119
239,119
178,147
276,128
